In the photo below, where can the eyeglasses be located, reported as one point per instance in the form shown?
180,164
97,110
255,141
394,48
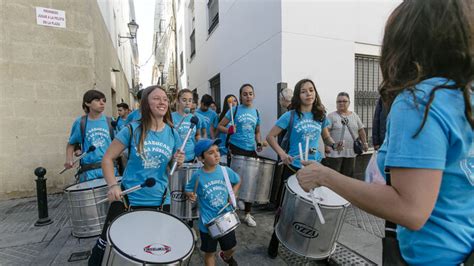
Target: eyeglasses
342,101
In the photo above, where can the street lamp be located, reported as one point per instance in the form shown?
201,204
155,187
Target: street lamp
132,28
161,67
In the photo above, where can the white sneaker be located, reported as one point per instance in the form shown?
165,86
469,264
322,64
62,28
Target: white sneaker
241,205
249,220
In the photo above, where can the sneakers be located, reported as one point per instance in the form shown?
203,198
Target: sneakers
230,261
249,220
241,205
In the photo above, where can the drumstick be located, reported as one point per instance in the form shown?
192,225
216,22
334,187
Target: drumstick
306,154
300,147
291,157
149,182
223,208
230,101
316,207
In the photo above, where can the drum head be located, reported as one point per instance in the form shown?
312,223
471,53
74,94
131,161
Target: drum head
149,236
329,197
95,183
186,166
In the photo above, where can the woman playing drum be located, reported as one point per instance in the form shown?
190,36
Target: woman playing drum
245,133
152,141
305,123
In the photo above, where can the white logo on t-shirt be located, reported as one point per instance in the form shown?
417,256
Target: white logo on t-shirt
467,165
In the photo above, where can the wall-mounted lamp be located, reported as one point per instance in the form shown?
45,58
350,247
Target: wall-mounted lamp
132,28
161,67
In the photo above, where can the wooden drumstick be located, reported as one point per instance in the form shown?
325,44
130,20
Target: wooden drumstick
306,154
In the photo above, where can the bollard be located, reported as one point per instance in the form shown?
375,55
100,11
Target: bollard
42,196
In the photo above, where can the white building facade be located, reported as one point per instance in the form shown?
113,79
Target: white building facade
272,44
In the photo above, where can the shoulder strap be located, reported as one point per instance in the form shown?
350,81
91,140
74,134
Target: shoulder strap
83,125
235,113
290,125
130,130
229,186
111,129
345,122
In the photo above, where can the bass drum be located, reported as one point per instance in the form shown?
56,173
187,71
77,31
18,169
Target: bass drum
299,228
256,175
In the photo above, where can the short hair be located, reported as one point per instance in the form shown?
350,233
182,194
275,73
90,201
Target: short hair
207,100
344,94
139,95
123,105
286,94
89,96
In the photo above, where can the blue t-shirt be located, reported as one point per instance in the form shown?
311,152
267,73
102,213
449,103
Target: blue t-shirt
221,136
120,124
135,115
159,148
96,133
208,116
445,143
212,193
302,127
183,130
246,120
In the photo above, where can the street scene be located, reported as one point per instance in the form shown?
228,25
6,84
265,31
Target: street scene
227,132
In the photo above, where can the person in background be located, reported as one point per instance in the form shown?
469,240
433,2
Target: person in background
123,111
428,153
213,107
284,99
214,127
135,115
208,114
379,124
342,121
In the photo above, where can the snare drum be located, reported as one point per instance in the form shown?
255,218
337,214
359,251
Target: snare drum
147,237
87,217
299,228
256,175
223,224
180,206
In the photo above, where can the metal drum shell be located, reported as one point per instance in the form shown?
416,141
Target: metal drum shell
180,206
87,217
300,230
116,257
256,175
224,224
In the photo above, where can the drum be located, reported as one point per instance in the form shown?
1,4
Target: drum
180,206
299,228
87,217
148,237
223,224
256,175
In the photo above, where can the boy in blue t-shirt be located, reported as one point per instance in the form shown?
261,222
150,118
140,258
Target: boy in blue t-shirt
206,113
209,186
93,129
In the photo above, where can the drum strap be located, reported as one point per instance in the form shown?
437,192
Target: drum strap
229,186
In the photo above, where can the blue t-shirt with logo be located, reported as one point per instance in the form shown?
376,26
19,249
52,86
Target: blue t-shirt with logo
135,115
183,130
159,148
120,124
221,136
445,143
304,126
246,120
212,193
96,133
208,116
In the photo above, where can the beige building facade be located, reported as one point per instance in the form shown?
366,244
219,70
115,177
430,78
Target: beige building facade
44,72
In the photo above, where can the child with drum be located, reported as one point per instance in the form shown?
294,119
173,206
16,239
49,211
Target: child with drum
92,129
182,122
245,137
152,143
305,123
214,186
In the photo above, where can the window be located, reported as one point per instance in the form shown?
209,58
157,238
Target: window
193,44
367,81
215,85
213,11
181,68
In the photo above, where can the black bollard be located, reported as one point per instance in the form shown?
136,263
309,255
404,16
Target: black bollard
42,196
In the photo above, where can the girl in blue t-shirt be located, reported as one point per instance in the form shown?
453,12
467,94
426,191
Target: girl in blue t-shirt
306,119
214,127
245,137
181,122
152,143
428,152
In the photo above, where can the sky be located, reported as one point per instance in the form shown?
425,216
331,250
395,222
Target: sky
144,14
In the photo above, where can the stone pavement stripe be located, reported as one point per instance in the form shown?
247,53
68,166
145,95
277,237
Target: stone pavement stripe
49,254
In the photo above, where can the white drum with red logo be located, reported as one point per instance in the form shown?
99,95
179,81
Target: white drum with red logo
147,237
299,228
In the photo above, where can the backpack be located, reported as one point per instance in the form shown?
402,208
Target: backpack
285,142
83,125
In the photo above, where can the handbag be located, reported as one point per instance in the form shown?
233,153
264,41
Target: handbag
358,146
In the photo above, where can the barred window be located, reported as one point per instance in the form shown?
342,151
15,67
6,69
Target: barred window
368,78
193,44
213,10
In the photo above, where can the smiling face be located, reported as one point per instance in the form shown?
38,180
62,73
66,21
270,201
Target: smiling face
158,102
307,94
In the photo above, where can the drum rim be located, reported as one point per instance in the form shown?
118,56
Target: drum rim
213,221
258,159
115,247
83,189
